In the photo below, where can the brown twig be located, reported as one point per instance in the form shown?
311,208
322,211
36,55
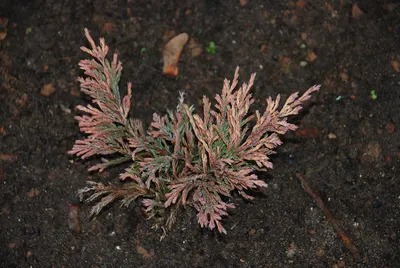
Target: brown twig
346,240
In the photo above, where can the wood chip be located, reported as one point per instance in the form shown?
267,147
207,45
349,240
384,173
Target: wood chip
171,54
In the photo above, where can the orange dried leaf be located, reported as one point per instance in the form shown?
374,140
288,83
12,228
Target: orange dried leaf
171,54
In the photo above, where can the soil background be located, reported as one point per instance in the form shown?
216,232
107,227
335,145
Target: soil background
347,144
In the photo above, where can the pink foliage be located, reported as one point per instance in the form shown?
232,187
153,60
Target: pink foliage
184,158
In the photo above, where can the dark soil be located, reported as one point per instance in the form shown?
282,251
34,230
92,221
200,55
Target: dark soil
348,143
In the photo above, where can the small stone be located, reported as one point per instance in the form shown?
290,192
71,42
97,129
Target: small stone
331,136
303,63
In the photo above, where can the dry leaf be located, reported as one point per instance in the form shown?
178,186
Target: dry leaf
396,66
311,56
195,48
171,54
143,252
356,12
47,90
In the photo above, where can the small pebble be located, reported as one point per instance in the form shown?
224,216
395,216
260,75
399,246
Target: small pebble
331,136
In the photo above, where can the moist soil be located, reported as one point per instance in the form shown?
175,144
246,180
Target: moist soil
347,145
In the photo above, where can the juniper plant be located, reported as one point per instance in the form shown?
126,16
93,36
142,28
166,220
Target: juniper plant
183,158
